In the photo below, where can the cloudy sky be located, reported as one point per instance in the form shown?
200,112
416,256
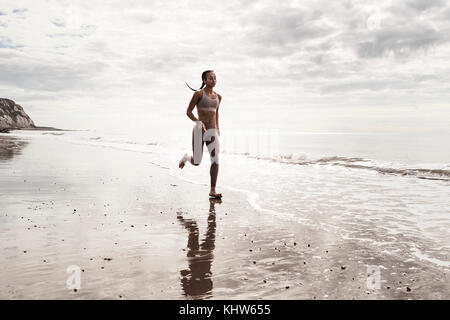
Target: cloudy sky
64,59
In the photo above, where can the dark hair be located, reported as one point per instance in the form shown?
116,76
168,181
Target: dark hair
204,75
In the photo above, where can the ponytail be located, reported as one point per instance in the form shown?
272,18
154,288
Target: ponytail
204,75
203,84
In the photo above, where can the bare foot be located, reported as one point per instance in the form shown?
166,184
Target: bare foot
215,195
183,161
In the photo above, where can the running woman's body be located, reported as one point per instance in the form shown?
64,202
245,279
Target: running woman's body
207,102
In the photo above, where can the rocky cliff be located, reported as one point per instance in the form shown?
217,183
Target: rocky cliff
12,116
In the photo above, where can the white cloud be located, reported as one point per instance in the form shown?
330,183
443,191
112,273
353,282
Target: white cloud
306,52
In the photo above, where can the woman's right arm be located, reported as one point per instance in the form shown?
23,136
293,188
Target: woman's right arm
192,105
195,98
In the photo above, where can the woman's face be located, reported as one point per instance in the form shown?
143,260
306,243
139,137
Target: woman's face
211,79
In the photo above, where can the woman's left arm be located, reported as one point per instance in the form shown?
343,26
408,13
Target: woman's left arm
217,114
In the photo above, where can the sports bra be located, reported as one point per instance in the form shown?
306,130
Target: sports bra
208,104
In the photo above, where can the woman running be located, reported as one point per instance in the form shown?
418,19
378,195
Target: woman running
207,128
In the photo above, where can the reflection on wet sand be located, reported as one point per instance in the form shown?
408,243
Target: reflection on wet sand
11,147
196,280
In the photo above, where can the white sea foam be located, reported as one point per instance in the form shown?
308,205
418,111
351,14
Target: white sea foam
425,257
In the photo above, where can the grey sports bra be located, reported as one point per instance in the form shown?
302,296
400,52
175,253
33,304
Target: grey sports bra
208,104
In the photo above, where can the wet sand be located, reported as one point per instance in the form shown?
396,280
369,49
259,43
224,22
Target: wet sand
136,232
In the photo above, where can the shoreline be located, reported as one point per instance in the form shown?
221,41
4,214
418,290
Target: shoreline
140,233
40,129
8,130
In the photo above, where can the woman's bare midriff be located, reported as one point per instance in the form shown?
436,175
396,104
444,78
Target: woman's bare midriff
207,117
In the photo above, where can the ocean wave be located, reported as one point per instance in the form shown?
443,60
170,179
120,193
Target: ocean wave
53,133
421,173
442,174
152,143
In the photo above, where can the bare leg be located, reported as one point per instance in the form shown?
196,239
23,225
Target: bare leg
186,157
214,169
